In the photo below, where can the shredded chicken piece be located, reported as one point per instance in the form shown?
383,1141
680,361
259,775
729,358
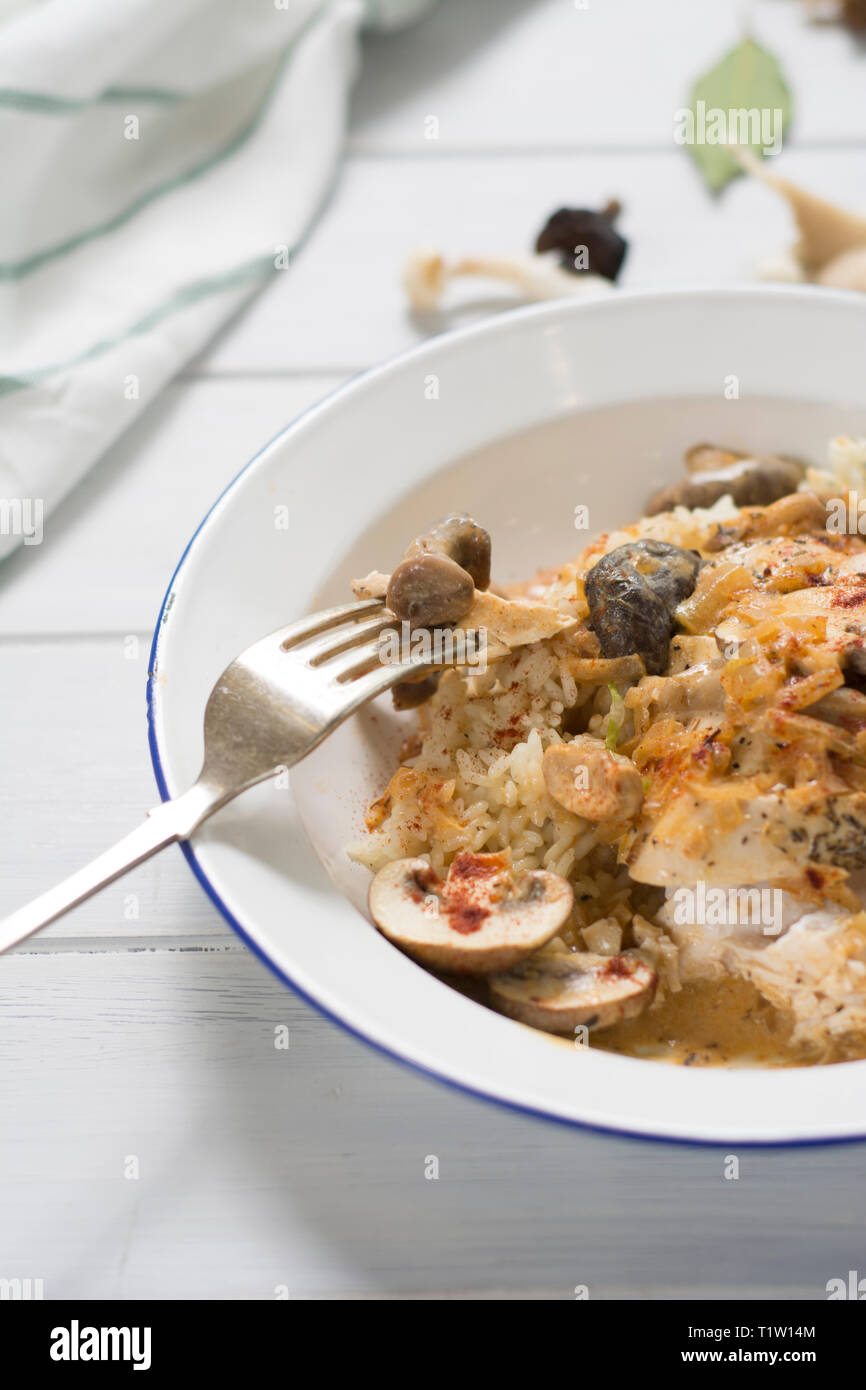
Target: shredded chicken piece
511,623
814,970
507,623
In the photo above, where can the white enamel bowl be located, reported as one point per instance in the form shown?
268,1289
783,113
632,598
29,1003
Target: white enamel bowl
606,395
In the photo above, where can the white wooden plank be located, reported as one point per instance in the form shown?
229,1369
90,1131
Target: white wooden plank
110,549
132,516
305,1167
576,74
342,304
76,777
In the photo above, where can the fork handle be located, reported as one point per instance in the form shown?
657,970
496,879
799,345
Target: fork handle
166,823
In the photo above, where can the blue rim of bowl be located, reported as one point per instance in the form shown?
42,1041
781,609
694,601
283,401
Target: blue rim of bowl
551,309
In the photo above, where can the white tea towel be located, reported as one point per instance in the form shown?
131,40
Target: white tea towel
159,161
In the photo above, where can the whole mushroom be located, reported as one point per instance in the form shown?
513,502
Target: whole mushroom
434,584
633,592
750,482
706,458
430,591
462,540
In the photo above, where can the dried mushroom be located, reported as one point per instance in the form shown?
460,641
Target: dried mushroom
573,230
478,920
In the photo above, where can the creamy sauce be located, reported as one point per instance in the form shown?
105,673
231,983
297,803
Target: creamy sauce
723,1023
719,1024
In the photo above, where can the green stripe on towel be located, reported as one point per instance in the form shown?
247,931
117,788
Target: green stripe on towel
41,104
183,298
16,270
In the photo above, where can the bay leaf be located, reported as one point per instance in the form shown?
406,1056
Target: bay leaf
747,80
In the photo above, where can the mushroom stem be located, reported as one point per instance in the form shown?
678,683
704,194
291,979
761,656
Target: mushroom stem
427,275
826,231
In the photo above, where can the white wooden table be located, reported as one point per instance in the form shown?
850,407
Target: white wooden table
138,1034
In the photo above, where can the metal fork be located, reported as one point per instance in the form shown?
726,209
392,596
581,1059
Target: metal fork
271,707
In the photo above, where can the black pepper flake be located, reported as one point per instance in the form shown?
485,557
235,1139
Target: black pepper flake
587,241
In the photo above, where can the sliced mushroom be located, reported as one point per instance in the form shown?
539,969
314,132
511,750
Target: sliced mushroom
480,919
462,540
750,482
587,778
632,593
562,991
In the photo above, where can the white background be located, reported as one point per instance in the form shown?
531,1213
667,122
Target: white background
153,1036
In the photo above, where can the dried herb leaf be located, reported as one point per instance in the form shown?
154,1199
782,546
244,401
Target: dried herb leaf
743,100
